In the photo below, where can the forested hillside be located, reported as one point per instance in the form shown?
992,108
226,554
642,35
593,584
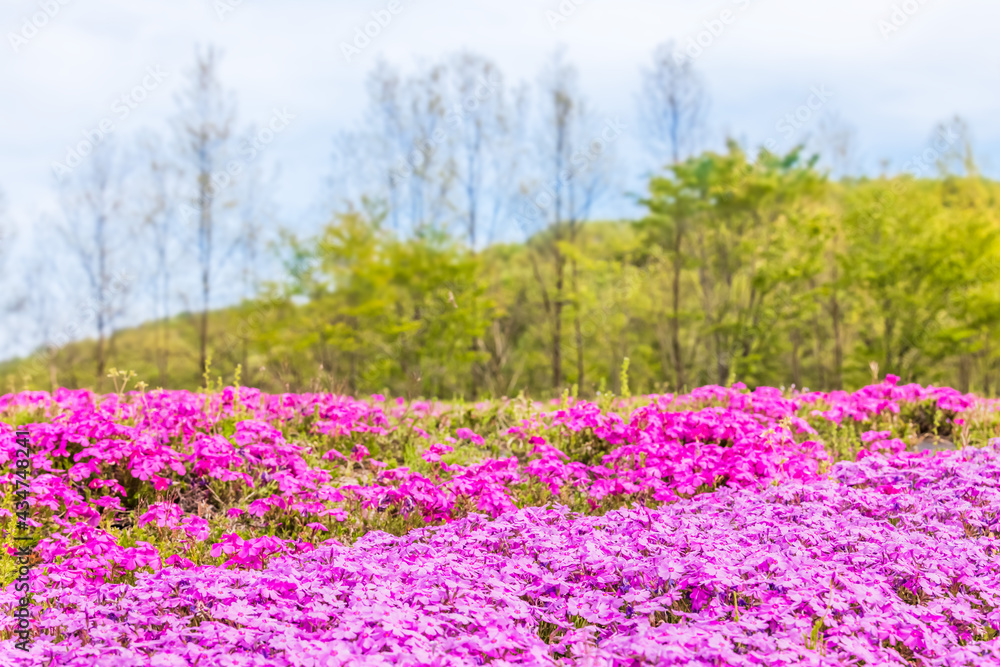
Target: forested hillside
757,268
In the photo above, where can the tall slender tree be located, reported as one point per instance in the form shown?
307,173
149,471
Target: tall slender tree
479,118
570,176
673,105
673,108
92,199
159,215
203,127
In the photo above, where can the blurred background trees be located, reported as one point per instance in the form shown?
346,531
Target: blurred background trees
463,258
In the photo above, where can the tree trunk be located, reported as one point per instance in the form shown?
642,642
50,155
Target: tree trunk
352,381
100,359
557,307
578,329
890,326
721,362
818,353
244,364
964,373
987,367
838,344
475,371
675,324
205,220
161,357
203,344
796,369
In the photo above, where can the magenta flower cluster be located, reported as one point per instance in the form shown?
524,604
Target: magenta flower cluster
714,528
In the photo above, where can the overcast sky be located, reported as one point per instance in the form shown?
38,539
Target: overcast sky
892,70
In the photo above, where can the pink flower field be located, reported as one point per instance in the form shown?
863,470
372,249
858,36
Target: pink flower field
721,527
